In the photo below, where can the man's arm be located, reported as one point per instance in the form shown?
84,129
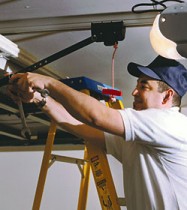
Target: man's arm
59,114
81,106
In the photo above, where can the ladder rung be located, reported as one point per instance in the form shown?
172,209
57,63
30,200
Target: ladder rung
67,159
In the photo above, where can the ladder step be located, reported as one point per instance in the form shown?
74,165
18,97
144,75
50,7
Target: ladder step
67,159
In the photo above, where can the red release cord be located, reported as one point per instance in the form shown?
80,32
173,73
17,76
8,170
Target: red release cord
112,92
113,56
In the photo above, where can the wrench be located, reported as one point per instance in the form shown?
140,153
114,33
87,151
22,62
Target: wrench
44,92
25,132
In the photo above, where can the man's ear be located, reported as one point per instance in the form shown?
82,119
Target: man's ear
168,96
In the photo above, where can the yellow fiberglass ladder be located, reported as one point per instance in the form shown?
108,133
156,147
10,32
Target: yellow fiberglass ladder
95,158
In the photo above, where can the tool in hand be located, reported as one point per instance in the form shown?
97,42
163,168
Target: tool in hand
25,132
44,92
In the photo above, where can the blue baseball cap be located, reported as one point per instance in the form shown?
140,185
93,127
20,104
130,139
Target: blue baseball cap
169,71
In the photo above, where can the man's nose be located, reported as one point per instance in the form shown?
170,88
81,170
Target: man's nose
134,92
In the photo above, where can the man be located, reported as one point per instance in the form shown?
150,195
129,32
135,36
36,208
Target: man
150,140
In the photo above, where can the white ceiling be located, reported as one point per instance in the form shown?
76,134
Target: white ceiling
49,8
93,61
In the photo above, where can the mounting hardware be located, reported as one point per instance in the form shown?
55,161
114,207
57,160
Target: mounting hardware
108,32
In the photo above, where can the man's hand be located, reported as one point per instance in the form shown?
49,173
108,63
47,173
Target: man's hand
23,86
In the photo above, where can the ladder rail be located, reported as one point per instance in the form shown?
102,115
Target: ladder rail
44,167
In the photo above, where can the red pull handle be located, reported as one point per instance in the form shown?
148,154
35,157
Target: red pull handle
112,92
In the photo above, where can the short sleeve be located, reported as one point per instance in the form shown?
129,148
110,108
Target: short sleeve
156,127
114,145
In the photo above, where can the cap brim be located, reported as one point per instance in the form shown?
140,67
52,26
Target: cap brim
136,70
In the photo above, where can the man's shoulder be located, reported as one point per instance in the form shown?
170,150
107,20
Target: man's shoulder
154,113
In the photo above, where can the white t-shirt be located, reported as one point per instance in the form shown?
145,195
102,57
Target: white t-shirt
154,158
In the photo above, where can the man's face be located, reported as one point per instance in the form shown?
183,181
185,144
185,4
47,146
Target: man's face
146,94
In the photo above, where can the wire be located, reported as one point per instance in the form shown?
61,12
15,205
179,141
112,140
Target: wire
154,4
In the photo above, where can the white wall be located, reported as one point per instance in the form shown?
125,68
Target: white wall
19,175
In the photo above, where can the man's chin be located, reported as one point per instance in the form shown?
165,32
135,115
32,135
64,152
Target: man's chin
137,106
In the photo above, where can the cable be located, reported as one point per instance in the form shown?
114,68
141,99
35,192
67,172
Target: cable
154,4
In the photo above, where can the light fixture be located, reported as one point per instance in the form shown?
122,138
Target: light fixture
168,35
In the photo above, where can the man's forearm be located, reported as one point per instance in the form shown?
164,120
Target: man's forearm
59,114
78,104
